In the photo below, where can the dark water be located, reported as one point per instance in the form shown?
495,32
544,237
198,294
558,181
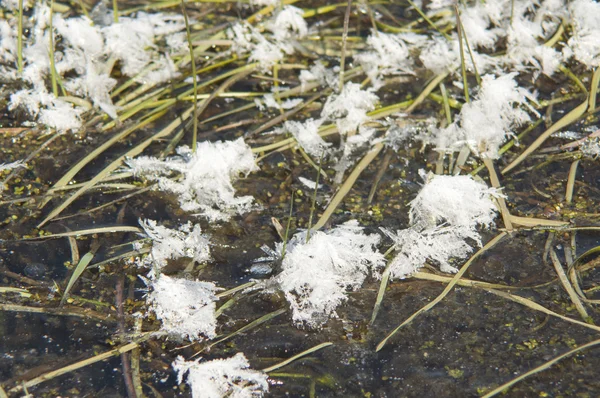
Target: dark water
471,342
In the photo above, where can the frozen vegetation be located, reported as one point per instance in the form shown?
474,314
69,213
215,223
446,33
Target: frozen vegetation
70,72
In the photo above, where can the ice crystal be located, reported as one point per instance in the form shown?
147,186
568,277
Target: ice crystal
349,108
228,377
316,275
389,54
168,244
206,176
307,135
446,212
185,308
486,122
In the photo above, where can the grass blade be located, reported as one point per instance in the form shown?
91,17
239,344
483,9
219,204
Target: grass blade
297,356
569,118
81,266
447,290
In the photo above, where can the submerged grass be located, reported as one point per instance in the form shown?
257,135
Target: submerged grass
222,86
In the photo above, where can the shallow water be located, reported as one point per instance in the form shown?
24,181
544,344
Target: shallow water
469,343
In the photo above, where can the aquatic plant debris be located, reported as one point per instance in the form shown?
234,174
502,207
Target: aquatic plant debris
228,377
204,184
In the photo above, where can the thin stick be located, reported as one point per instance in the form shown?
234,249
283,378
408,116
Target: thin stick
447,290
344,40
540,368
462,29
496,184
571,181
295,357
194,76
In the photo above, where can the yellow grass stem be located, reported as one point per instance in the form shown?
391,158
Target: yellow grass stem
347,185
51,50
496,184
295,357
504,387
20,39
115,11
569,118
562,276
447,290
571,181
194,76
344,42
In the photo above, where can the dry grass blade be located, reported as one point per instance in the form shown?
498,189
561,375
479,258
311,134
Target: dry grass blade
533,222
64,180
251,325
594,90
536,307
385,278
569,118
447,290
72,311
504,387
78,365
118,162
461,282
100,230
562,276
347,185
295,357
19,291
496,184
571,181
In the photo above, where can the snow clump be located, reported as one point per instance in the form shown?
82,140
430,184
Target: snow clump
448,210
185,308
228,377
205,185
317,274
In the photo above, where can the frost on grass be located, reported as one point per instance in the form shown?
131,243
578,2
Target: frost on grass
388,55
349,108
447,211
317,275
84,55
285,27
269,101
169,244
203,181
185,308
228,377
321,75
584,44
485,123
307,135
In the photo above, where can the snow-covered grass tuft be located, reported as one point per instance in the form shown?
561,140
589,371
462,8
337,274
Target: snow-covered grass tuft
204,184
584,44
185,308
316,275
229,377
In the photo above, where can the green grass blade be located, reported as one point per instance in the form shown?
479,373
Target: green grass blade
81,266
